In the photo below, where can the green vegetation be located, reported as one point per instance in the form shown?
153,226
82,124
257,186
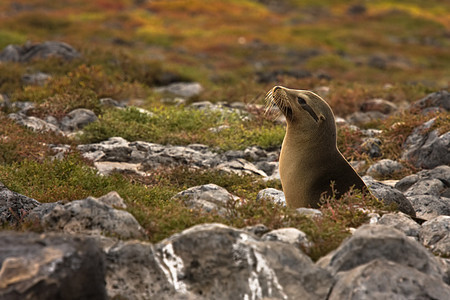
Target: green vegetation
149,199
395,50
179,126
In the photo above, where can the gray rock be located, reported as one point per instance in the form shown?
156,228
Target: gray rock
372,242
207,197
268,167
380,105
34,123
92,217
428,207
133,272
204,105
435,235
439,99
429,149
410,183
390,195
384,168
234,154
38,78
257,230
182,89
372,146
109,167
23,106
112,199
33,51
50,266
213,261
381,279
431,187
240,166
309,212
152,156
406,182
109,102
401,222
77,119
218,128
291,236
14,207
255,154
272,194
360,118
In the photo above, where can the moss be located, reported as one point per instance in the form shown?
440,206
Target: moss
172,125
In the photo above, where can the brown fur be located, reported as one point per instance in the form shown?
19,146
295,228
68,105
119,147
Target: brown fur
310,160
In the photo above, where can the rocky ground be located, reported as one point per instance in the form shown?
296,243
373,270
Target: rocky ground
136,160
94,249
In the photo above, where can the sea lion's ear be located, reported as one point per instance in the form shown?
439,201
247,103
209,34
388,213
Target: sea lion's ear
321,118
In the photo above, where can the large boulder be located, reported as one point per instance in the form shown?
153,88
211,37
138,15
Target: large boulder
372,242
50,267
134,272
213,261
381,279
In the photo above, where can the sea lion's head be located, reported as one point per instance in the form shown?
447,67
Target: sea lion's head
301,108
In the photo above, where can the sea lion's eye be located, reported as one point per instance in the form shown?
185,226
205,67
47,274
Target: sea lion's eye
301,101
307,108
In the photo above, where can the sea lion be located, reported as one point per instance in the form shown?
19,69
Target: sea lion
310,161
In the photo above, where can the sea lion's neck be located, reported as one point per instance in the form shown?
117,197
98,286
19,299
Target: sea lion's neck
310,142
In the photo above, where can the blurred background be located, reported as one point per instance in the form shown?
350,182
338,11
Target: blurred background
347,50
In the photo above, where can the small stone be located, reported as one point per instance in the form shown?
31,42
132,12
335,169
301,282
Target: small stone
77,119
182,89
380,105
309,212
372,146
384,168
272,194
207,197
38,78
240,166
218,128
109,102
360,118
